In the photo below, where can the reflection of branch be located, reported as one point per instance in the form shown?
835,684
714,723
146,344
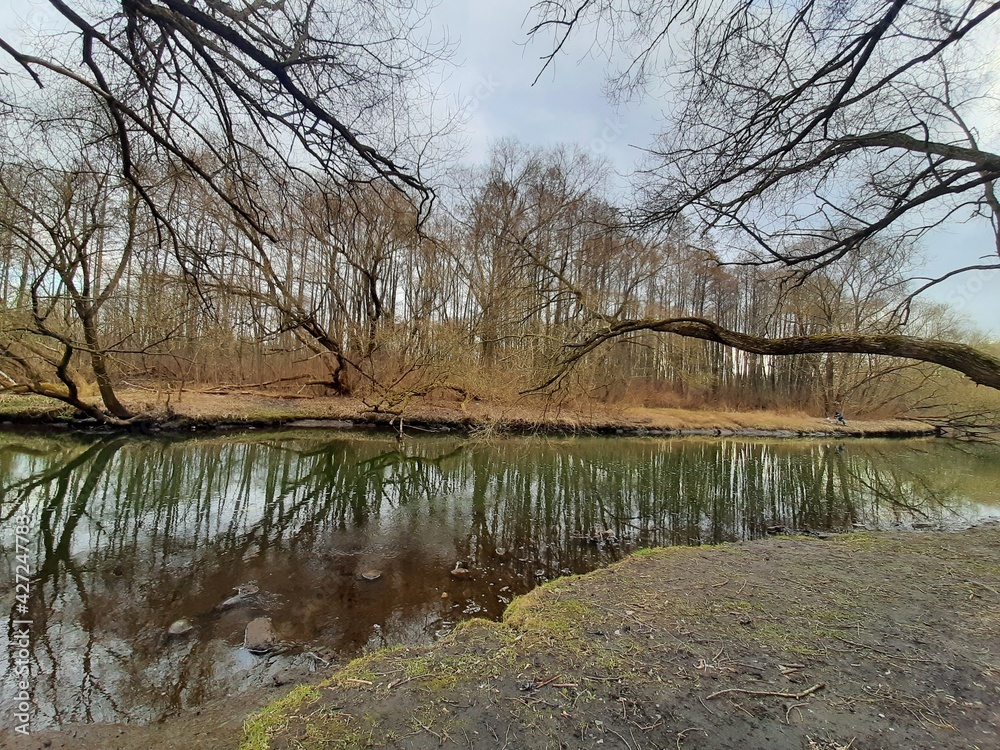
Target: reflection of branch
397,457
61,551
418,465
877,484
26,486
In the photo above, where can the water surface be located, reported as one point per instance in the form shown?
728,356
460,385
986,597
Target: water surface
131,534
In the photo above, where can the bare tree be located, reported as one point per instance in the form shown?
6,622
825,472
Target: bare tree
241,101
798,133
330,88
531,219
75,257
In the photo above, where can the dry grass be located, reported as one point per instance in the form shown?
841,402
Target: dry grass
797,421
526,413
529,413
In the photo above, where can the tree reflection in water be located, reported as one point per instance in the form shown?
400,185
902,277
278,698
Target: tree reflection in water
133,533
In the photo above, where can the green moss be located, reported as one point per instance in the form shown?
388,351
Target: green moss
362,667
439,672
648,552
794,640
273,718
553,617
336,731
479,628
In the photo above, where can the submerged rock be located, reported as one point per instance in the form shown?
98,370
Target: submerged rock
245,592
372,575
180,628
260,636
461,570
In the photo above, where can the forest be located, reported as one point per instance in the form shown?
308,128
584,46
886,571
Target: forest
188,198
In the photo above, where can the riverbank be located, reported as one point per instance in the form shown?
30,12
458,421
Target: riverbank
865,641
854,641
224,409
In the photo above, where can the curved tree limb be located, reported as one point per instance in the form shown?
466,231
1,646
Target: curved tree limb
977,365
846,120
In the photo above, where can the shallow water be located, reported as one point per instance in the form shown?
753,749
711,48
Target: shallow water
128,535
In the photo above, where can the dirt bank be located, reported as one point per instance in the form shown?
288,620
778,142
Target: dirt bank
860,641
867,641
228,408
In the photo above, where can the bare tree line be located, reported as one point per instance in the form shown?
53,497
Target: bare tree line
351,293
196,199
796,134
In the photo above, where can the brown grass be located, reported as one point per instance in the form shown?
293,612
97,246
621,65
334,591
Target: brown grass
259,406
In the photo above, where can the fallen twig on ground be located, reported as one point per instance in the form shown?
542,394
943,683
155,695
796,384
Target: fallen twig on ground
796,696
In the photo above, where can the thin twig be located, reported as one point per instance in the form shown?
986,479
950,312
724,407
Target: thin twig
796,696
789,710
883,652
650,728
506,738
428,729
404,680
619,737
683,732
983,585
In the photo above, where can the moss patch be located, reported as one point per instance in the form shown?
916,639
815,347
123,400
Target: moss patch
273,719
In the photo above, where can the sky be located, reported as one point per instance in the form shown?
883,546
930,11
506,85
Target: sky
492,74
494,71
567,105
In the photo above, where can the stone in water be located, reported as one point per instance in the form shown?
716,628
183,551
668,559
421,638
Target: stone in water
260,636
180,627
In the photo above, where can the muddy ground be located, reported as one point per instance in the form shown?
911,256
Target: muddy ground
860,641
864,641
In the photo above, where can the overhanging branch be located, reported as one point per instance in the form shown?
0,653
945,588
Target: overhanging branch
977,365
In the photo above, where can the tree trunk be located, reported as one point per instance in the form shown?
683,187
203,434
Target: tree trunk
99,366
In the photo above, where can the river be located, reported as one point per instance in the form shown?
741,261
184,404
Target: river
350,541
